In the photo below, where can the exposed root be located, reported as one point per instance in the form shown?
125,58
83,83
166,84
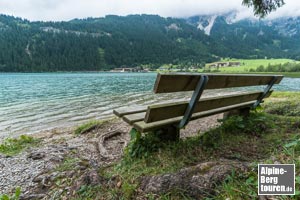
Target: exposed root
103,137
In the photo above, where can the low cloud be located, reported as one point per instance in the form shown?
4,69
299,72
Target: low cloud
58,10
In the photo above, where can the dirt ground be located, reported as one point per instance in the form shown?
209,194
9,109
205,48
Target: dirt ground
33,169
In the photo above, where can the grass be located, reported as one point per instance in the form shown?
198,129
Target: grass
13,146
263,137
275,136
68,164
247,64
286,74
260,132
245,186
88,126
15,196
287,152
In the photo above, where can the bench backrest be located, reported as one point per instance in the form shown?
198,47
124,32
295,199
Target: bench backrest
187,82
166,83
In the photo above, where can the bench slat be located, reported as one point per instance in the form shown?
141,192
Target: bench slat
176,109
130,110
132,118
186,82
146,127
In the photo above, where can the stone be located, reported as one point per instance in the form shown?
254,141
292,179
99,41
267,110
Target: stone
36,155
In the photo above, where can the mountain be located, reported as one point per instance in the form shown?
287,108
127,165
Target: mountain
103,43
251,38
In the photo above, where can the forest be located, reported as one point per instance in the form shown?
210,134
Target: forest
96,44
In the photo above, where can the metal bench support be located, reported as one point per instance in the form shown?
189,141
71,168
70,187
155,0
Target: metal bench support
266,91
194,99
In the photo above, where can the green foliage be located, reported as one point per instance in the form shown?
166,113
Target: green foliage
98,43
255,65
284,103
88,192
255,124
15,196
87,126
262,8
244,186
174,195
95,44
239,186
141,146
285,67
286,108
172,156
261,136
67,164
13,146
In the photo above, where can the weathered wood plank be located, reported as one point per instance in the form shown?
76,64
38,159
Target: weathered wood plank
170,110
129,110
132,118
187,82
146,127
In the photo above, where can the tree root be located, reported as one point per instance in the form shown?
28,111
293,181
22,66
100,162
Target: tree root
103,137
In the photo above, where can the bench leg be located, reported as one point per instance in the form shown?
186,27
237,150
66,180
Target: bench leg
171,133
244,112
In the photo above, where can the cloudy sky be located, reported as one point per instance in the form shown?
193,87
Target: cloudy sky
58,10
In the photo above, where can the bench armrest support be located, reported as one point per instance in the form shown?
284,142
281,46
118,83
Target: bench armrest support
194,100
266,91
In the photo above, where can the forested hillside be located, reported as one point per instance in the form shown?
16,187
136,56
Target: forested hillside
103,43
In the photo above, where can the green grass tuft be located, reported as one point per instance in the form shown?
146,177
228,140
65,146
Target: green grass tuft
87,126
67,164
15,196
13,146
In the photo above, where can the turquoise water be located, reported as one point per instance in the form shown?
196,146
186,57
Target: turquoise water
35,102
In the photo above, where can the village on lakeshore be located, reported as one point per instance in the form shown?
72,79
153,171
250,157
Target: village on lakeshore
223,65
178,68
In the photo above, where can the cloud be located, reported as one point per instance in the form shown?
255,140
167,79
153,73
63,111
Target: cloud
57,10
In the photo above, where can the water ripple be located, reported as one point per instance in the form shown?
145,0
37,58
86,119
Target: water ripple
34,102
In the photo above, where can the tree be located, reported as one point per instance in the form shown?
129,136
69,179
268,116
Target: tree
262,8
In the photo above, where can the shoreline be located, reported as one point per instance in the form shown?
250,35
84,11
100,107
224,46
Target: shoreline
63,164
28,168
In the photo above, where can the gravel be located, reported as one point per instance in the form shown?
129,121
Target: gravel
24,169
20,170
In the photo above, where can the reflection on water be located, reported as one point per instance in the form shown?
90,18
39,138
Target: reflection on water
34,102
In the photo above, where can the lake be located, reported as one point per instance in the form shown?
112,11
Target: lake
33,102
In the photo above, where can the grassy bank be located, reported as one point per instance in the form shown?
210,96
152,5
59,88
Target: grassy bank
268,136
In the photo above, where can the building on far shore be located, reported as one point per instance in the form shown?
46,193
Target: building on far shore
129,69
224,64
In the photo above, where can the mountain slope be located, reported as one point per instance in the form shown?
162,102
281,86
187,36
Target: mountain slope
250,38
103,43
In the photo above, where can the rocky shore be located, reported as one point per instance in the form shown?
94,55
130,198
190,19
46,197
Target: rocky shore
42,172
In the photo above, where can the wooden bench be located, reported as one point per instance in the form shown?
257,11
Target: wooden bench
171,117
